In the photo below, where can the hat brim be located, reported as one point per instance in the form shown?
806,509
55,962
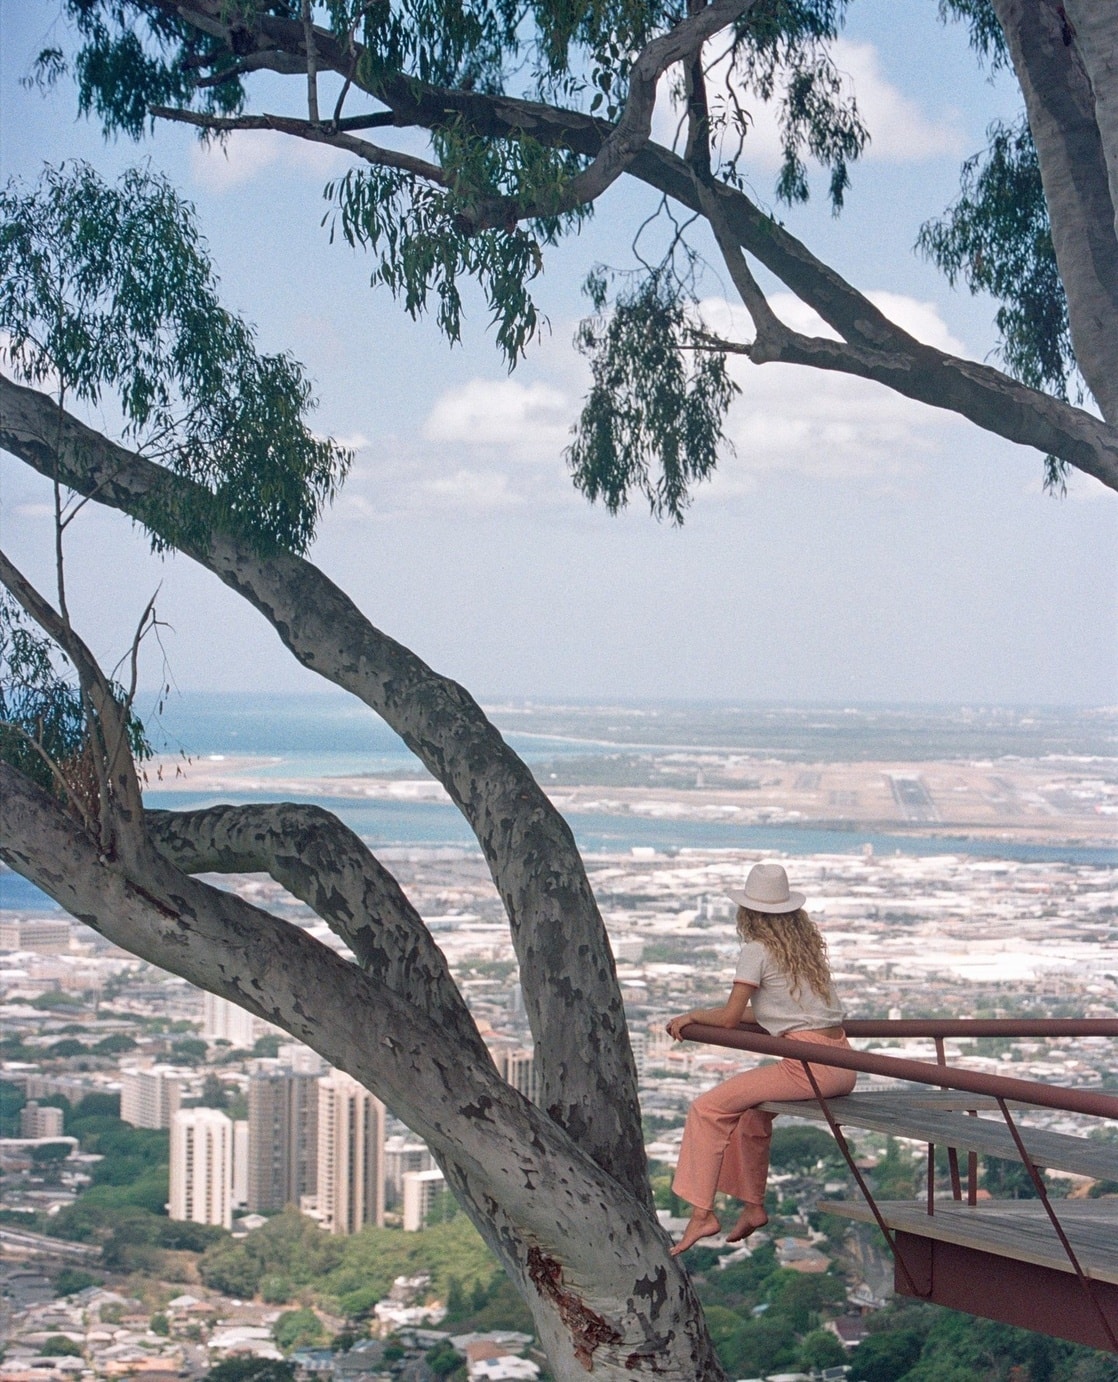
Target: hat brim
792,903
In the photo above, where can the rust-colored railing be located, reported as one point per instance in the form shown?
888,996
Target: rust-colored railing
1093,1102
1002,1088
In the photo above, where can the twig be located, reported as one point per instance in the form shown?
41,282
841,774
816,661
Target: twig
317,134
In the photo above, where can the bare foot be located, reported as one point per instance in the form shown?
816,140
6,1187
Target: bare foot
704,1224
752,1217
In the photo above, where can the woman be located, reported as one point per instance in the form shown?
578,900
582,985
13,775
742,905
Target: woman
783,983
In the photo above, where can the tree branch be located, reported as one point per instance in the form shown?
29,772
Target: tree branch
771,331
533,1193
572,998
324,864
631,132
314,133
121,807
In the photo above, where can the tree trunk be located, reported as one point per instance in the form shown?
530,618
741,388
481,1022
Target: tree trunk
587,1253
1063,69
587,1076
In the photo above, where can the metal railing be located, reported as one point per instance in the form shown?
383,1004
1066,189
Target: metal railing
1003,1089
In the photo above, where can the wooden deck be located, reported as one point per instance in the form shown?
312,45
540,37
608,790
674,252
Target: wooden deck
940,1117
1018,1229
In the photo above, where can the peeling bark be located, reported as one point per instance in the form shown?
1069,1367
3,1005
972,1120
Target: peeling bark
533,1193
1053,57
324,864
1094,28
587,1074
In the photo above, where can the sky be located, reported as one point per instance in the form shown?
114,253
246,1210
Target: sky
853,547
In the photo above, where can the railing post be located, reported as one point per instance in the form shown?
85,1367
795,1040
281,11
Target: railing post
952,1152
1042,1192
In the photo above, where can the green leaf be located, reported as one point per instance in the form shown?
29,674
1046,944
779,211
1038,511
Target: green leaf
653,420
109,290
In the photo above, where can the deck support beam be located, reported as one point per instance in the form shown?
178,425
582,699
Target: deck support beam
1005,1289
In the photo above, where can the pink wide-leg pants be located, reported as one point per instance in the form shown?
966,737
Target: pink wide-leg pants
726,1139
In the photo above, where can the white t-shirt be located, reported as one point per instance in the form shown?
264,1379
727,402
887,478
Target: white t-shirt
775,1006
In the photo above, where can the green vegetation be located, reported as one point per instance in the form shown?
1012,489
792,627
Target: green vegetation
244,1368
71,1280
189,1051
803,1148
298,1329
913,1342
59,1346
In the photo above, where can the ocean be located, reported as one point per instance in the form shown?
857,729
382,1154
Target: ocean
323,736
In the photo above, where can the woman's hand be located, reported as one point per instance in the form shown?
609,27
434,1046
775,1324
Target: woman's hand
677,1024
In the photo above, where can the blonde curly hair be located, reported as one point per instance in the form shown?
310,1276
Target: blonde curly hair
795,943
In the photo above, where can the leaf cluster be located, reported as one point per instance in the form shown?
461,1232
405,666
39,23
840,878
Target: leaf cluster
653,419
135,56
780,51
997,239
110,288
44,726
423,255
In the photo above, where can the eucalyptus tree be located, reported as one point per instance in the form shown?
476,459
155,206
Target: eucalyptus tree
522,115
108,303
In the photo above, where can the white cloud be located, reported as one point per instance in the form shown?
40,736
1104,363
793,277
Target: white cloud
473,491
527,421
900,131
220,166
353,441
827,425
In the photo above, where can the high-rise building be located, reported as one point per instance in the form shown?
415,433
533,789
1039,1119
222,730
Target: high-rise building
225,1021
149,1098
202,1166
41,936
240,1163
282,1135
350,1155
516,1064
40,1121
423,1191
401,1155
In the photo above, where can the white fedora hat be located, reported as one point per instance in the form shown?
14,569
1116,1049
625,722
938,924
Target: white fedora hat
766,890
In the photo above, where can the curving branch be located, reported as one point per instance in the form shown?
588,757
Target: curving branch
315,133
319,860
533,1193
120,806
573,1001
877,348
631,133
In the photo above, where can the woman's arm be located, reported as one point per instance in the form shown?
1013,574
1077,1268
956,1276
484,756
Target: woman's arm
736,1010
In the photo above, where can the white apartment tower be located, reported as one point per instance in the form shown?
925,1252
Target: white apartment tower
40,1120
350,1155
149,1098
202,1166
401,1155
422,1192
224,1021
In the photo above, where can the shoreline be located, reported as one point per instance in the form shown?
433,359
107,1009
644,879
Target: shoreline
1016,802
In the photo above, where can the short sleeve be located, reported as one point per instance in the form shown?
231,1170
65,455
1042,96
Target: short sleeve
750,964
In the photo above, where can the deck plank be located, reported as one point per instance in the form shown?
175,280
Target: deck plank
1007,1228
941,1123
